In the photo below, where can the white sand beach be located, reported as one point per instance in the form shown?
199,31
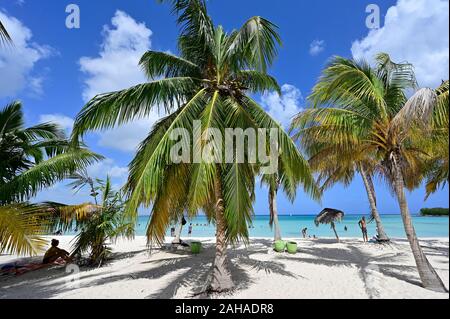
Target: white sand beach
321,269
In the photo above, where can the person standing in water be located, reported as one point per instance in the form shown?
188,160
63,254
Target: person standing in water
190,230
363,225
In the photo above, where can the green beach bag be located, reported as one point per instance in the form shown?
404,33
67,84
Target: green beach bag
292,247
280,246
196,247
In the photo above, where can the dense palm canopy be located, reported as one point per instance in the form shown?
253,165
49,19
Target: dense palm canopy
208,81
361,114
31,159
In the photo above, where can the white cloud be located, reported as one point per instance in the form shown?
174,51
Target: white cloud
108,167
65,122
316,47
283,108
415,31
116,68
17,63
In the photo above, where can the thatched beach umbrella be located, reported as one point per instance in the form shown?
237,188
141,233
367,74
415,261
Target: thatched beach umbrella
329,216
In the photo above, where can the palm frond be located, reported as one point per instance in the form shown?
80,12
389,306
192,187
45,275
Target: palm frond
157,64
45,174
255,45
258,82
4,35
108,110
21,228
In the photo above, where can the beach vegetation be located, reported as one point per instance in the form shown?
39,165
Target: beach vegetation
364,112
31,159
434,211
97,225
211,79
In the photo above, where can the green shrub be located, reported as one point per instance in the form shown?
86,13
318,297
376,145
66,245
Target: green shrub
434,211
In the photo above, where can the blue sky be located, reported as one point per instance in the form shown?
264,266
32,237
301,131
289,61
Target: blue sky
55,70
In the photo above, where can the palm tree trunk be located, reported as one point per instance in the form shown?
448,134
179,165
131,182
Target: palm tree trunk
274,213
177,239
333,226
368,183
221,277
429,277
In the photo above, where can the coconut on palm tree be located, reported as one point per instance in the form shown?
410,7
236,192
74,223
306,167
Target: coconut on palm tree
362,108
31,159
209,81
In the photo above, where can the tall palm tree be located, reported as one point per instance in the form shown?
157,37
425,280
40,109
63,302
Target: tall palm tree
363,108
208,81
31,158
273,183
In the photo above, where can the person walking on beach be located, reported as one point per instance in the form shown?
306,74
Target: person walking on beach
363,225
305,232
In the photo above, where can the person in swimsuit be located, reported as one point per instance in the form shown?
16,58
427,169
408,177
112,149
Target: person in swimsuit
363,225
54,253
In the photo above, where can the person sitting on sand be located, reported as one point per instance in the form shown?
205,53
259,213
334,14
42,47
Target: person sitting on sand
363,225
54,253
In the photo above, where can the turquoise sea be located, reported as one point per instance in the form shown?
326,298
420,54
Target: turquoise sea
426,227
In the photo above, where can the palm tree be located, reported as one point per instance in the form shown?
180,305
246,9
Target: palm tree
31,159
363,108
274,182
336,165
97,224
209,81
